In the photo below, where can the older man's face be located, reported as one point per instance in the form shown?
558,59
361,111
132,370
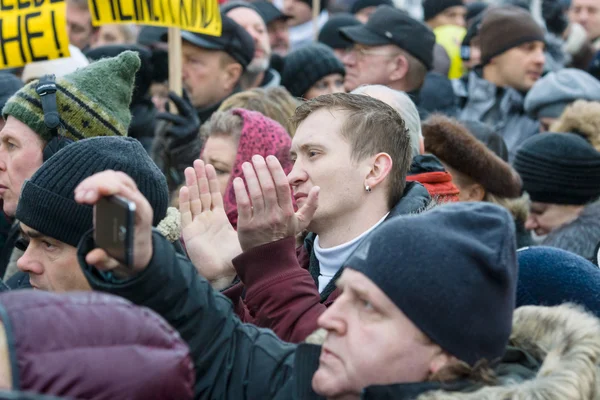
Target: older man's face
21,154
369,341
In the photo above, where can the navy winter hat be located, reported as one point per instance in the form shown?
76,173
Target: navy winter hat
47,203
550,277
307,65
449,290
559,168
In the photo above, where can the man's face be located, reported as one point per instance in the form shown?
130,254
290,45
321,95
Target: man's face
252,22
520,67
544,218
587,14
368,65
279,37
109,35
364,14
79,26
450,16
322,157
21,154
369,341
201,72
299,11
52,265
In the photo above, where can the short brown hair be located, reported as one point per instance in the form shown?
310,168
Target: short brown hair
275,103
371,127
416,72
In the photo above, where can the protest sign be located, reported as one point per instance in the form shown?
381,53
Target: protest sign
200,16
32,30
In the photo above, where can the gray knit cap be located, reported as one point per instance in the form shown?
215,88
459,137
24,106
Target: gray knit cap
554,92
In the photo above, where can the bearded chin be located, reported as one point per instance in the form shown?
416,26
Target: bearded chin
258,65
538,239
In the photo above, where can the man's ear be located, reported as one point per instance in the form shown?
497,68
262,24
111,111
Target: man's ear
233,73
473,192
380,169
399,68
439,361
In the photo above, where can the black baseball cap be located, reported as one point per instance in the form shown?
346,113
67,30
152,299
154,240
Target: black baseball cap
234,40
330,32
269,12
390,25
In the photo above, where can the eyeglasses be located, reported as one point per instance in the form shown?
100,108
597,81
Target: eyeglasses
361,53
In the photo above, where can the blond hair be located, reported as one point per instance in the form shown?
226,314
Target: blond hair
275,103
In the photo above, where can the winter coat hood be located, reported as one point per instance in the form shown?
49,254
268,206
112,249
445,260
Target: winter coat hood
62,345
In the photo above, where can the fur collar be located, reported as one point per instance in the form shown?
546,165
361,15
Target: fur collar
566,340
170,226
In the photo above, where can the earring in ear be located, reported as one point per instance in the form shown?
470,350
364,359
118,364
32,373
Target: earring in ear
367,188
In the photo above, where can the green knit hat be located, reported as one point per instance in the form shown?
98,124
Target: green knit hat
92,101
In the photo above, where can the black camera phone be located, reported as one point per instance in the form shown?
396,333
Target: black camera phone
115,221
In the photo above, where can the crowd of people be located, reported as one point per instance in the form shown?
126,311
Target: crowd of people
401,204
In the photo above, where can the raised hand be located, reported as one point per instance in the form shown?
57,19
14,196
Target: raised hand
108,183
265,211
210,240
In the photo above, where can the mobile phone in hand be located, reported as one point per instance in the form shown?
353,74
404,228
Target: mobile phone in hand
114,224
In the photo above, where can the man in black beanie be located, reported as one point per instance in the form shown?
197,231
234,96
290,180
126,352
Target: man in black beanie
561,173
512,60
410,321
52,223
444,12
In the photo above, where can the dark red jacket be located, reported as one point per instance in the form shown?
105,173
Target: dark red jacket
280,292
93,346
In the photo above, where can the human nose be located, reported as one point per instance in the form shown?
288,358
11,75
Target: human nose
297,175
531,223
333,320
28,264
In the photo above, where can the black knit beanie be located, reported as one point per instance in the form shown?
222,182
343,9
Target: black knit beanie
504,28
362,4
307,65
461,290
559,168
330,32
431,8
47,203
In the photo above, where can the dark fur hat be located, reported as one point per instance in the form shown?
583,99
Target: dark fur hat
453,144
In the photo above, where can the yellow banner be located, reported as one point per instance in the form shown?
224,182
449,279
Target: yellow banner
32,30
200,16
